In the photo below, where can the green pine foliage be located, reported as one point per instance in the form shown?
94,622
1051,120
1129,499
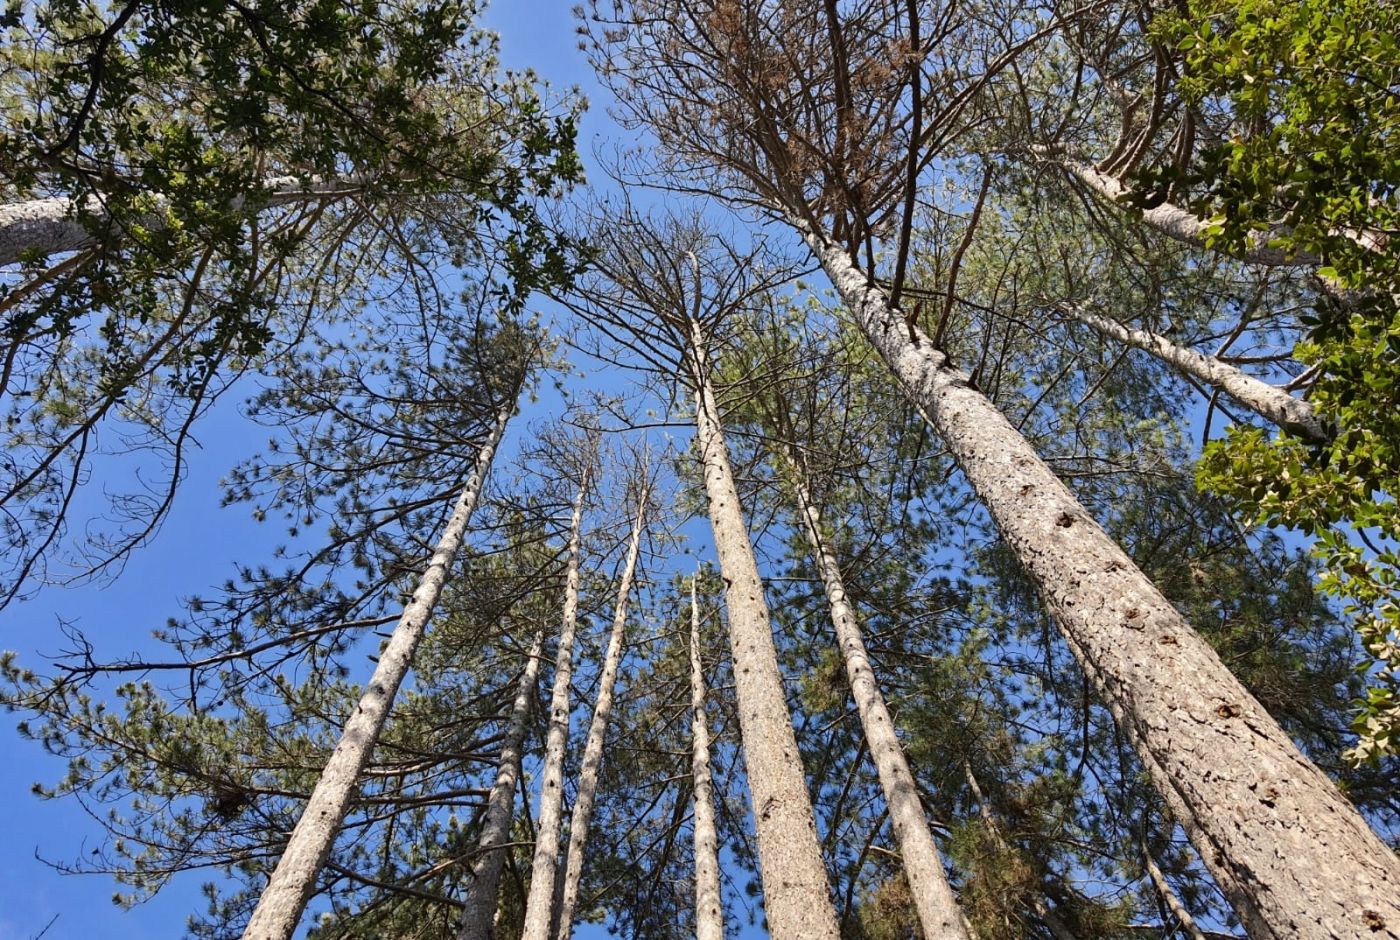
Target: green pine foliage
387,327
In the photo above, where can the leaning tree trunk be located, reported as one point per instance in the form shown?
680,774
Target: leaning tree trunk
1267,401
1174,221
795,890
479,907
292,883
597,730
1296,859
1047,915
1169,896
1191,229
938,910
709,910
539,905
37,228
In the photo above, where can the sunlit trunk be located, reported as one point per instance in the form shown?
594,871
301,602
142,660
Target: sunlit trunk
795,891
1294,857
933,898
540,904
37,228
597,732
1265,400
479,907
294,880
709,909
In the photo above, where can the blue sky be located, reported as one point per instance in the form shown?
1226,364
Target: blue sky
121,615
184,559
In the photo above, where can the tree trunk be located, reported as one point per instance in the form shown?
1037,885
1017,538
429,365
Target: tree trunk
1044,911
1186,227
37,228
1169,895
1177,222
292,883
709,909
1265,818
795,891
933,897
539,905
479,909
1265,400
597,731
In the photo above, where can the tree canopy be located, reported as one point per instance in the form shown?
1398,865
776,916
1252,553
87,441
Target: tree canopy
937,477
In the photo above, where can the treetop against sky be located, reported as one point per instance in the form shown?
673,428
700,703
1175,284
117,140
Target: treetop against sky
962,432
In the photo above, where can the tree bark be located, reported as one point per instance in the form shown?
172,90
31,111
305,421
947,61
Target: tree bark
37,228
1189,228
795,891
1180,224
709,909
539,905
1262,816
1169,895
479,909
597,731
1047,914
1265,400
292,883
933,897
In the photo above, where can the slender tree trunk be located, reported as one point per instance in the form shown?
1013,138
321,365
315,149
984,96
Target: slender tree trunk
1235,893
479,910
1179,223
539,905
292,883
1044,911
933,898
1187,227
597,731
37,228
1169,895
1302,861
795,891
1265,400
709,909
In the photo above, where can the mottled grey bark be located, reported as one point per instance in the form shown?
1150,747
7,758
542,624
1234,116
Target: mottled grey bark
1189,228
37,228
709,909
283,900
540,903
1180,224
933,898
1169,895
796,896
597,731
43,227
1263,399
479,906
1263,817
